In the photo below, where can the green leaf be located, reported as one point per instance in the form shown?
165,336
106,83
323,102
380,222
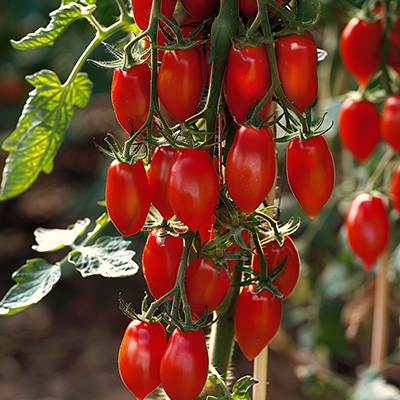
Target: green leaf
54,239
34,280
241,389
108,257
40,129
372,386
60,19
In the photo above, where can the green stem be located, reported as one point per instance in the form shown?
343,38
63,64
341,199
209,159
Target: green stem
222,332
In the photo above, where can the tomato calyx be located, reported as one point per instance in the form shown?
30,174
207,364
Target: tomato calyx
129,311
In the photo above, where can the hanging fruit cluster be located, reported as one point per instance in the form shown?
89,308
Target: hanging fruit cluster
369,49
198,97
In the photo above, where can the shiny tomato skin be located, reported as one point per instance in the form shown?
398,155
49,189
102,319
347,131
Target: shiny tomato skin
161,258
390,122
367,227
297,61
201,10
275,255
359,131
394,189
127,196
247,80
130,95
142,11
157,175
140,355
250,167
193,187
257,320
204,286
311,173
361,47
184,365
180,82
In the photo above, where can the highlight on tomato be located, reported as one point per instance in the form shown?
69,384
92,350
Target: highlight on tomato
157,175
193,187
297,61
275,255
394,189
184,365
247,80
161,258
358,124
140,355
310,172
130,95
257,320
367,227
361,47
250,167
127,196
390,120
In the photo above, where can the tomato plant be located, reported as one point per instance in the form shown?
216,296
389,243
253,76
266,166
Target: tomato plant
127,196
142,11
184,365
139,357
390,120
250,167
247,80
130,94
393,56
199,296
394,190
275,255
367,227
193,187
200,10
157,175
160,261
360,48
257,320
310,172
180,82
358,124
297,60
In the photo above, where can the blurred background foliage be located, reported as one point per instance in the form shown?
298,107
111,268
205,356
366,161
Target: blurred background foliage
66,346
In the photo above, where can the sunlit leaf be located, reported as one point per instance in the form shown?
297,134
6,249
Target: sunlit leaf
60,19
34,280
40,129
108,257
54,239
241,389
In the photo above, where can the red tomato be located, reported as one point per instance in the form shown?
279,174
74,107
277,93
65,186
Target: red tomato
361,47
201,10
393,56
130,95
249,7
367,227
297,60
157,174
184,365
127,196
250,167
160,261
359,131
142,11
311,173
204,286
247,79
180,82
275,255
390,122
139,357
394,190
193,187
257,320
